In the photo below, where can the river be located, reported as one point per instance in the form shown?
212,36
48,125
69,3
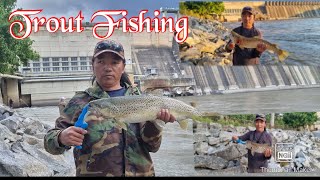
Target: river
276,101
300,37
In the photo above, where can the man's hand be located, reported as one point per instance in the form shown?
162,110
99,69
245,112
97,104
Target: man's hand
230,46
165,116
267,153
72,136
234,138
261,47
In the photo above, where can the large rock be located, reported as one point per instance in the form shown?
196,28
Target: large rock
11,123
316,134
241,130
279,136
213,141
232,152
200,137
34,128
22,150
205,43
201,148
202,128
226,136
5,133
23,159
211,162
314,153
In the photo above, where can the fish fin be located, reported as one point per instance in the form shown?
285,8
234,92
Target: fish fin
283,55
183,124
121,125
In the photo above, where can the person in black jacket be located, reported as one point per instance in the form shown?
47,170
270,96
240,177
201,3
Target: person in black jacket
260,136
246,56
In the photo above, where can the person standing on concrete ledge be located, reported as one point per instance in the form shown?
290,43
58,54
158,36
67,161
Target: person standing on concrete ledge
247,56
107,149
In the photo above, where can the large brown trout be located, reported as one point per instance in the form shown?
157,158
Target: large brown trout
136,109
244,42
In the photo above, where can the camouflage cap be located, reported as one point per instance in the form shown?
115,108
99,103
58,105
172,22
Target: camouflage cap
248,9
109,46
260,117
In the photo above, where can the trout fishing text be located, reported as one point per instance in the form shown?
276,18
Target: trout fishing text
133,25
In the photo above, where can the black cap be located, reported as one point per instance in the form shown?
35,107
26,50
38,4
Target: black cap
261,117
248,9
109,46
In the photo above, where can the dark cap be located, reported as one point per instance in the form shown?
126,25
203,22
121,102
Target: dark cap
260,117
109,46
248,9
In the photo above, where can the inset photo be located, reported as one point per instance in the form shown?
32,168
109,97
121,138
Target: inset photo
251,33
258,144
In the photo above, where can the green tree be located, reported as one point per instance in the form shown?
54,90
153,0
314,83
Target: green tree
201,8
13,52
299,119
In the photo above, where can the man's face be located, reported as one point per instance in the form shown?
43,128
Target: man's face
108,68
260,125
247,19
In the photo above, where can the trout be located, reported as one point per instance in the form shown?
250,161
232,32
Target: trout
256,148
244,42
137,109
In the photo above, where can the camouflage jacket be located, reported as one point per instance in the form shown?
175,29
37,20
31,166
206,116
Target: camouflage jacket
107,150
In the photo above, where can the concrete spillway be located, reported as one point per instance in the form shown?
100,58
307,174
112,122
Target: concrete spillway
224,79
291,11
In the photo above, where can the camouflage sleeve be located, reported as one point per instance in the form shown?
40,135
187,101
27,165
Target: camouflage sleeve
151,136
67,118
51,143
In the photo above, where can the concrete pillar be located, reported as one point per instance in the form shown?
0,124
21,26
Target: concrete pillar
265,76
254,77
278,76
272,120
13,92
217,77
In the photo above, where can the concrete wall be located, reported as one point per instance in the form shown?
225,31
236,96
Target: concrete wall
49,90
273,9
236,7
10,90
75,44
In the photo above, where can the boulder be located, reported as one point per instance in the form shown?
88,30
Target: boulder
232,152
210,162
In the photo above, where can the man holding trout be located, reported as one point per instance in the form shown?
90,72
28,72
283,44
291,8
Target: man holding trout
246,56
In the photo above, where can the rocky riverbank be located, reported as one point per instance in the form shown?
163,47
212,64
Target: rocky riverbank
22,151
213,150
205,43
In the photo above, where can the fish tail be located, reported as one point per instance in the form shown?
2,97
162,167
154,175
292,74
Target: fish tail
282,54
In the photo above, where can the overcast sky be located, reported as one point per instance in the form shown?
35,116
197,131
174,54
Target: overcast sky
71,8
